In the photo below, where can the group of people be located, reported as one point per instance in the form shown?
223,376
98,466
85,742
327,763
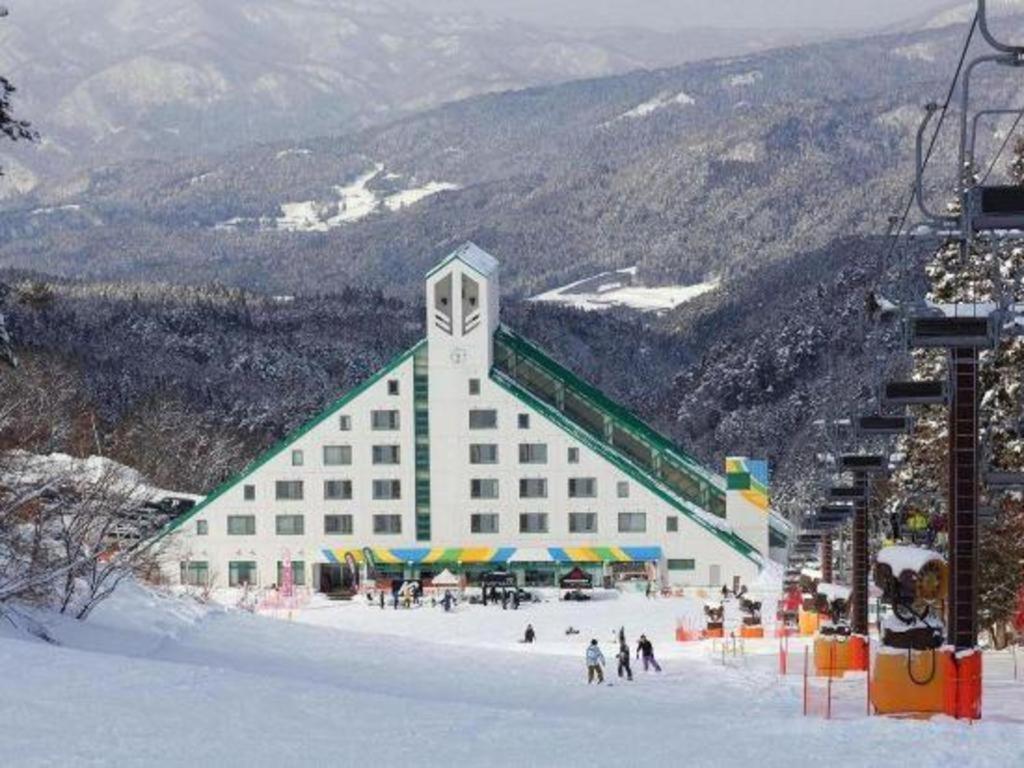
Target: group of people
507,597
596,661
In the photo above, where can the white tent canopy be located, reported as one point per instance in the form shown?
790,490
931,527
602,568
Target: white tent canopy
445,579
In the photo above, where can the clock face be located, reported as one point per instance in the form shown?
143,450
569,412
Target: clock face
458,356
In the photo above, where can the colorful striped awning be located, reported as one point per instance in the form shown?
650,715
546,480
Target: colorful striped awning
496,556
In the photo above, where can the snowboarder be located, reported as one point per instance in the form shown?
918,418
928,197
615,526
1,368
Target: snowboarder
530,635
624,659
646,650
595,660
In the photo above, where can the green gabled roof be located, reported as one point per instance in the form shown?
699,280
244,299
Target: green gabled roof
628,466
284,444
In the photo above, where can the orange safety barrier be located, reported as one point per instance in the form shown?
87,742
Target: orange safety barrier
684,635
714,633
836,655
751,631
809,623
912,682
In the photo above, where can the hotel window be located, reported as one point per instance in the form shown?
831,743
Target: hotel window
483,418
298,573
195,573
533,488
483,453
297,458
632,522
392,386
574,456
582,522
623,489
387,524
337,490
533,453
249,492
483,523
337,455
385,454
345,422
241,525
533,522
683,564
483,488
582,487
384,421
202,527
524,421
387,489
474,386
338,524
290,525
288,490
672,524
241,572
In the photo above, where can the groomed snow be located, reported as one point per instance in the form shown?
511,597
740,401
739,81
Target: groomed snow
158,681
616,289
661,101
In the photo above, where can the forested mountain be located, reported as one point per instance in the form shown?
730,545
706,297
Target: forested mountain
706,170
106,80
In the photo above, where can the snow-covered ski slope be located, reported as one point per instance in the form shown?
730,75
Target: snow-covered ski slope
156,681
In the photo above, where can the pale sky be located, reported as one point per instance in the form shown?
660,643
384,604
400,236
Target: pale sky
830,14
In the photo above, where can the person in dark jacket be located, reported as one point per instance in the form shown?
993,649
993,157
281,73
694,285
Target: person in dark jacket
623,658
530,635
645,650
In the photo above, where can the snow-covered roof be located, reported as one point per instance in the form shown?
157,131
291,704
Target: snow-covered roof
902,558
474,257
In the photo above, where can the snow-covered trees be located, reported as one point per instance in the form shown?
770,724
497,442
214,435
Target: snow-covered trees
69,533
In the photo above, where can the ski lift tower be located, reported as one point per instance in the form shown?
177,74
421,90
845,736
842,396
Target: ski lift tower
983,208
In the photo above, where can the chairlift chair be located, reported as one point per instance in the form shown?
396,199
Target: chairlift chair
862,462
942,332
904,393
882,425
847,493
1004,481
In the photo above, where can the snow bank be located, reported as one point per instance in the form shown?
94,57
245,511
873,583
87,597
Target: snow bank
661,101
617,289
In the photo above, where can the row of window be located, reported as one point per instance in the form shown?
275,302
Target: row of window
529,453
483,522
341,455
537,488
334,490
196,573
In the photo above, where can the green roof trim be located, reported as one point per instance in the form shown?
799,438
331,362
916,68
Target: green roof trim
626,465
287,441
531,351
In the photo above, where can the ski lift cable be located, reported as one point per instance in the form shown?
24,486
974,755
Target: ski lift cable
1002,147
943,110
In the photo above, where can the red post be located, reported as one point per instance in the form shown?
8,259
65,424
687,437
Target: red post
805,681
867,687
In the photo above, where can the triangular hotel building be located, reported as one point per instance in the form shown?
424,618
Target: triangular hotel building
475,451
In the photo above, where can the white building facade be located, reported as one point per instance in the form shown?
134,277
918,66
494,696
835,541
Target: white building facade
475,451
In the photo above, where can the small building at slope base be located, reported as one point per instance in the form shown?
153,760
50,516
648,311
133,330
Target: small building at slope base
474,451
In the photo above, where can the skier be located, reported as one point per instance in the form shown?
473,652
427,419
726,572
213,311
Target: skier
645,649
595,660
623,658
530,634
447,602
